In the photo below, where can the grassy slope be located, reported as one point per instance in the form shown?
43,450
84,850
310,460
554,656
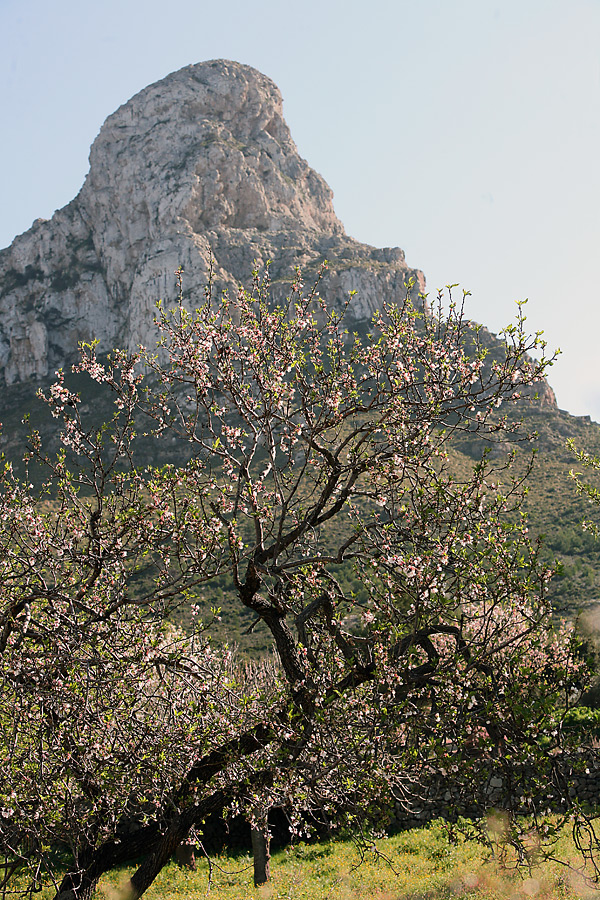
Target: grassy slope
413,865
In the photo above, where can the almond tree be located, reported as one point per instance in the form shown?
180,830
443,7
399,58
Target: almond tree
405,602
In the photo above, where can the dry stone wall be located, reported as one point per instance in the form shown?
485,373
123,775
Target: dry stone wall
443,795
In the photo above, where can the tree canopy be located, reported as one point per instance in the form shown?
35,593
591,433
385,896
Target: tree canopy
405,601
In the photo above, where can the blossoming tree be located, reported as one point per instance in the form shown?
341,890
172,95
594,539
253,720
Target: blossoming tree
405,602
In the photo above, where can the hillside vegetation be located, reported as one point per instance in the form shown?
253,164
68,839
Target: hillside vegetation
555,509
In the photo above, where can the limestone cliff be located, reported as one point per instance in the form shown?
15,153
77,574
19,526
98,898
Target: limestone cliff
199,162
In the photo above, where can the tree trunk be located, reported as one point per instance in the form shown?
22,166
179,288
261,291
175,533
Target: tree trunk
185,856
78,887
261,842
156,860
85,893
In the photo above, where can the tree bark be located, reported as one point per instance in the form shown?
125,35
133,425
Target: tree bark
79,886
186,857
156,860
261,844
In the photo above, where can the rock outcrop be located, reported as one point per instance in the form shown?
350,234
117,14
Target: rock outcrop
201,162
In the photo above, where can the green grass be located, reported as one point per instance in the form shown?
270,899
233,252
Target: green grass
421,864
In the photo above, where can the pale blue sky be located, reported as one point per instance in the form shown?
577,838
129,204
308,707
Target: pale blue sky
466,132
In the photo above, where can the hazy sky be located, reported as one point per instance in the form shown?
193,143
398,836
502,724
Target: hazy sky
466,132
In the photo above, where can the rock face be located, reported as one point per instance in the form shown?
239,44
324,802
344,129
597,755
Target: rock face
199,162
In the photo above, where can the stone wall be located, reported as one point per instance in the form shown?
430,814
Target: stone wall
446,795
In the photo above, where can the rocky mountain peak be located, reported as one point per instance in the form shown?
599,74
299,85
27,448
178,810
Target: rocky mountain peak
207,147
199,165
